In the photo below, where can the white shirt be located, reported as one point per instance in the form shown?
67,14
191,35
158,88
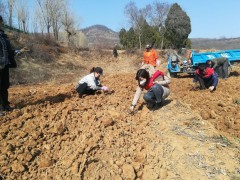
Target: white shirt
91,81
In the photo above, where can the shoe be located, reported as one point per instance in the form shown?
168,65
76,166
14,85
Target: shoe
1,112
7,108
150,105
80,95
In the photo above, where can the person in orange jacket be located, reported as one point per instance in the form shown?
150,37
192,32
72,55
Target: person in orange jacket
150,56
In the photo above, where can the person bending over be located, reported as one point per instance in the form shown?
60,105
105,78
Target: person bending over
220,66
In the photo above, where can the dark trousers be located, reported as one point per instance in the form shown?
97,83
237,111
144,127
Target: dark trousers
154,95
83,89
204,83
222,70
4,85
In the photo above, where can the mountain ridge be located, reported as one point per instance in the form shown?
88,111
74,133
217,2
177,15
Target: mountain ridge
102,36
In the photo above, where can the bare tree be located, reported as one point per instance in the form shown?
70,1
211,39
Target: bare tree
43,4
69,23
158,15
22,14
10,11
51,13
3,8
137,17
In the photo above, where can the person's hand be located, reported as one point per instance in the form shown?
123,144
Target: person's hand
158,62
104,88
211,88
131,108
142,63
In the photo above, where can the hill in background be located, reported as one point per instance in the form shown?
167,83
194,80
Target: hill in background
102,36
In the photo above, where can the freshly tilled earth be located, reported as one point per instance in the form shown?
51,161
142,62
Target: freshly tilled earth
52,134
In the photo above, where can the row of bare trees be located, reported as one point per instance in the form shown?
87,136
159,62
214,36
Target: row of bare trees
52,17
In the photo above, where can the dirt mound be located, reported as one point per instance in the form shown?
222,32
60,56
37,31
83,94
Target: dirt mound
52,134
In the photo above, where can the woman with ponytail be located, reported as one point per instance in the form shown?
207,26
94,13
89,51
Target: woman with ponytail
90,83
156,84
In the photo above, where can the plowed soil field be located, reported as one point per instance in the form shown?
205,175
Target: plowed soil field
52,134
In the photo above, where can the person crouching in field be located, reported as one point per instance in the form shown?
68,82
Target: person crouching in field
156,84
90,83
206,77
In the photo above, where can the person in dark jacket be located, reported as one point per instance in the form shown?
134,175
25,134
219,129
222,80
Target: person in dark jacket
7,61
206,77
220,66
115,53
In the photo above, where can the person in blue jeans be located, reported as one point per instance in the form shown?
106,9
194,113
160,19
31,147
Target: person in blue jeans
156,84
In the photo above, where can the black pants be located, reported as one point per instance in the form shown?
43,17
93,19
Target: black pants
83,89
4,85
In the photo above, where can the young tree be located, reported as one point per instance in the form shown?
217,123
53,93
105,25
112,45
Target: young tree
178,26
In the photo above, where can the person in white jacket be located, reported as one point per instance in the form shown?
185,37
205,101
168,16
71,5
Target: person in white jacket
156,84
90,83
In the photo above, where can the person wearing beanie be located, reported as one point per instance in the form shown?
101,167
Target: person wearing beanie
90,83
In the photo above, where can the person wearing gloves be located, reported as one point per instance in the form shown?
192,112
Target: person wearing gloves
156,84
90,83
206,77
150,56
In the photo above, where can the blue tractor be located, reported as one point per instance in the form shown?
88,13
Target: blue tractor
177,65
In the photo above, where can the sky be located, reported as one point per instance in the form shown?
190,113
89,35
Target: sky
209,18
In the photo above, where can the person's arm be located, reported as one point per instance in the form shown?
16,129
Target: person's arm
215,64
136,96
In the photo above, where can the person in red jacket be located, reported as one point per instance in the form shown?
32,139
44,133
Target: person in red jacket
206,77
150,56
156,84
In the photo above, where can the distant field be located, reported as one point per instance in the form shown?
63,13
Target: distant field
203,43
